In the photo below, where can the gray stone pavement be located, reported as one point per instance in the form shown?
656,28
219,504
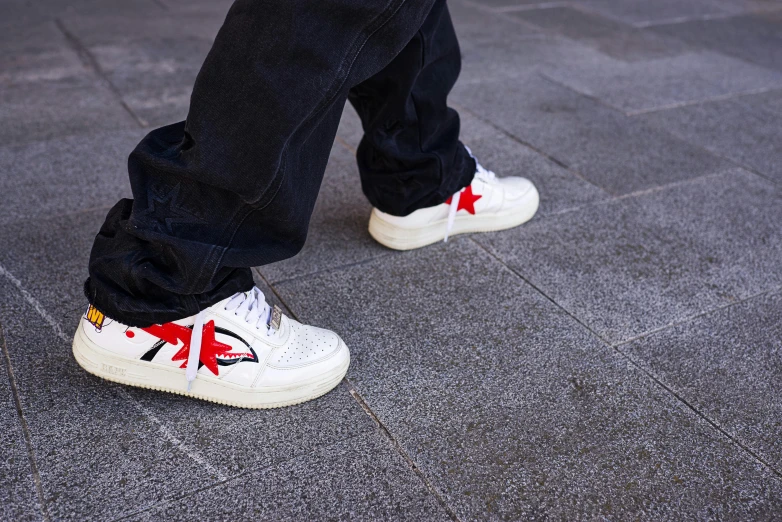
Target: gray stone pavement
617,358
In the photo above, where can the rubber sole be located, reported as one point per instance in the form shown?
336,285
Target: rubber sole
401,238
142,374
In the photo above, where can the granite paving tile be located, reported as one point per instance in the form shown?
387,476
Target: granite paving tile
728,364
15,13
36,47
610,37
49,259
44,110
755,38
654,84
559,188
359,479
96,452
47,91
744,129
350,129
64,175
338,232
769,101
151,63
216,7
18,496
61,400
496,46
632,266
155,77
108,28
477,27
508,406
506,5
60,8
514,411
611,150
238,440
490,61
643,12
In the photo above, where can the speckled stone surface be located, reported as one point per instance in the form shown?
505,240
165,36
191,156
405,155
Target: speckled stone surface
616,358
50,178
728,364
753,37
638,264
18,496
608,36
560,189
361,478
642,13
611,150
143,446
513,409
744,129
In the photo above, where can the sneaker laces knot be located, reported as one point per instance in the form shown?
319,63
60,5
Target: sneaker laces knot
250,306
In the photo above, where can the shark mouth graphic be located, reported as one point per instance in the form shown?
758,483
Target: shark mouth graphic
224,359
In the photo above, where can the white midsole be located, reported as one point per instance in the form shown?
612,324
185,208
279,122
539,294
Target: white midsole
103,363
402,238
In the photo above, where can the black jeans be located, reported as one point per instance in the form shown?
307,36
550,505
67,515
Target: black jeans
234,186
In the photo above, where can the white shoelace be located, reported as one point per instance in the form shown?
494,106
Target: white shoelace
481,173
251,306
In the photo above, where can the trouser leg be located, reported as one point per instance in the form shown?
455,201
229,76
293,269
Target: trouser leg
410,156
234,186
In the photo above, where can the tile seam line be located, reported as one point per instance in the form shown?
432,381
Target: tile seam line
642,112
711,99
530,146
612,199
649,333
89,61
720,156
25,428
714,424
703,18
501,15
384,430
181,495
401,451
55,326
589,10
342,141
585,9
588,96
508,9
667,131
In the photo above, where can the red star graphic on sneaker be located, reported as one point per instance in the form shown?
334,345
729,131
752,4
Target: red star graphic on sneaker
466,200
171,333
210,347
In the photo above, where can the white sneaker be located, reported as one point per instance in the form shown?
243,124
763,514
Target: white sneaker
489,203
239,352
